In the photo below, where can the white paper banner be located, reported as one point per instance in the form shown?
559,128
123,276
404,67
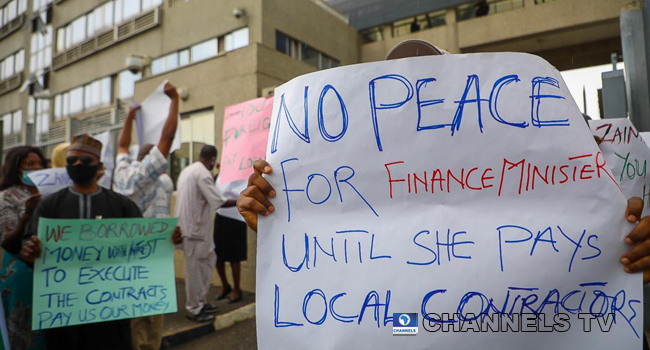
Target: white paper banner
50,181
438,185
152,117
627,155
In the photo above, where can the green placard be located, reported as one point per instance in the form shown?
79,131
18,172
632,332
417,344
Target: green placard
103,270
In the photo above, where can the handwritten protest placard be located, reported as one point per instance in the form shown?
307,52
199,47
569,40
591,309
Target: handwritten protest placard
464,188
50,181
103,270
152,116
245,133
627,155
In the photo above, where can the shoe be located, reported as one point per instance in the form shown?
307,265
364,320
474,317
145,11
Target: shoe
201,317
236,299
209,309
224,294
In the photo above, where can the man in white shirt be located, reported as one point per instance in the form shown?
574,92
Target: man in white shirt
197,200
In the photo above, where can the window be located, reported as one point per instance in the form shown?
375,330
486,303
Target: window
95,94
40,4
39,111
12,64
127,84
17,122
41,50
236,39
197,131
102,18
204,50
198,52
11,11
6,124
304,52
12,123
184,57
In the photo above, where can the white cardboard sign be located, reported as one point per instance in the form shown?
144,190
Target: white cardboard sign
152,117
627,155
50,181
436,185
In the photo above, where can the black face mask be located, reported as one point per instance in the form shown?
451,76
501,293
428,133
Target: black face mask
82,174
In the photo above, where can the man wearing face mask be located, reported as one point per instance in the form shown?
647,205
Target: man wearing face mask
85,199
197,200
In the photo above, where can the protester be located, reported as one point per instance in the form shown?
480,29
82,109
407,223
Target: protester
59,153
140,180
85,199
18,199
197,200
230,246
482,8
415,27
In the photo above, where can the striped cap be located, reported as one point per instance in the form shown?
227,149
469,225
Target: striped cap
85,143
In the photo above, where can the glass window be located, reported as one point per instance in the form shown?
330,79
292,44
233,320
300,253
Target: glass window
96,89
17,121
237,39
310,55
20,61
6,124
88,96
106,91
2,17
119,14
58,108
90,25
157,66
41,50
12,11
68,36
22,6
282,43
184,57
127,84
60,40
9,66
147,4
204,50
109,18
79,30
66,104
76,101
171,61
131,8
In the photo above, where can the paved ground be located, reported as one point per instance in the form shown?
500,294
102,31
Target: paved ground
178,328
241,336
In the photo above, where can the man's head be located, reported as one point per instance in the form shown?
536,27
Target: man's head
144,150
83,160
208,156
414,48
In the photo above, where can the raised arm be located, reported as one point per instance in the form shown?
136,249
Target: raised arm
125,135
171,124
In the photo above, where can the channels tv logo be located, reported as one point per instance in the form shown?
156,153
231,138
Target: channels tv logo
405,324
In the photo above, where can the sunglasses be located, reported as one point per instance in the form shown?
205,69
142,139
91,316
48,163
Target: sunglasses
85,160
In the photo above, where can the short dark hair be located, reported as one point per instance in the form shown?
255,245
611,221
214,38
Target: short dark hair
11,168
208,152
